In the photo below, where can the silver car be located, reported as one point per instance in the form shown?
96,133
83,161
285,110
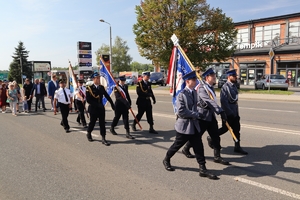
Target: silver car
276,81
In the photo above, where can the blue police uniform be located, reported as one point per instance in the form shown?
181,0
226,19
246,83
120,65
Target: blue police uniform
229,103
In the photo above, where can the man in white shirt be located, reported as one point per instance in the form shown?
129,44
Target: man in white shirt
63,97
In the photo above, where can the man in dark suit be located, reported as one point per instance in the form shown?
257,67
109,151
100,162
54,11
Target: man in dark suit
187,126
40,91
27,91
143,102
52,87
94,96
207,107
123,103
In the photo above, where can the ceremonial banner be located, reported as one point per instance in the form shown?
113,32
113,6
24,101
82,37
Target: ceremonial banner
110,83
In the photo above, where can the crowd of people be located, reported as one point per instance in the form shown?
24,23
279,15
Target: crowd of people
196,110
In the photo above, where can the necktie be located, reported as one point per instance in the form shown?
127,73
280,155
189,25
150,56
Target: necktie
65,95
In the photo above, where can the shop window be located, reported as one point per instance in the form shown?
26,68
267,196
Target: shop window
243,36
294,32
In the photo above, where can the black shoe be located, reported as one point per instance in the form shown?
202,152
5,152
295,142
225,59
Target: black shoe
133,127
167,165
106,143
209,142
44,110
205,173
112,130
85,126
221,161
89,137
240,151
130,137
151,130
187,153
68,131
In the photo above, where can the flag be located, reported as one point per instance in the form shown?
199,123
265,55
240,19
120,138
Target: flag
72,80
110,83
179,66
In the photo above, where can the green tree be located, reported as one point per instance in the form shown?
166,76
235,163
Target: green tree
120,59
139,67
205,33
20,56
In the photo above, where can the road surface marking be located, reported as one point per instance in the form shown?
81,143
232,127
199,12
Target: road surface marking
267,187
272,110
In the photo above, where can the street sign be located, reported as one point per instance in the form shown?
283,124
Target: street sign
84,55
88,64
271,53
84,45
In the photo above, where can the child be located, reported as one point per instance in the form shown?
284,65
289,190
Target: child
25,105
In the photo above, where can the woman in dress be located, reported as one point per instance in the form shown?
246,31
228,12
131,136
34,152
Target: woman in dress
3,97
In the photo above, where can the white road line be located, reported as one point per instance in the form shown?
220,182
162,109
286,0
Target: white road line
264,128
271,110
267,187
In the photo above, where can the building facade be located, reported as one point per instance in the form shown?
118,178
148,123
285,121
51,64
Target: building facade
264,46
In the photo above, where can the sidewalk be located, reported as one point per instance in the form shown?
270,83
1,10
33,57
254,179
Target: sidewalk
250,96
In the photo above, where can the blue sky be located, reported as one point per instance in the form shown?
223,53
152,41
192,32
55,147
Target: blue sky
50,29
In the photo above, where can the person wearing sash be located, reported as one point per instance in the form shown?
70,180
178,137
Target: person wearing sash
122,103
187,126
229,103
208,108
96,109
80,98
143,102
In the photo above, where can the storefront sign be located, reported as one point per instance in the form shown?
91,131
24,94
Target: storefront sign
254,45
41,67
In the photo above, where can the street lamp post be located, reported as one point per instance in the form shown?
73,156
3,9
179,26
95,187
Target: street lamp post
21,68
110,43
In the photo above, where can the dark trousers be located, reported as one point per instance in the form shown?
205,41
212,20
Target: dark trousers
93,118
195,141
75,105
38,98
80,117
212,129
147,107
118,114
29,102
234,123
64,110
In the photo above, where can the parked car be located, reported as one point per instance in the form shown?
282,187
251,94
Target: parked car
223,79
157,78
131,80
276,81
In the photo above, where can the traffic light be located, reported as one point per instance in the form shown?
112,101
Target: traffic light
106,60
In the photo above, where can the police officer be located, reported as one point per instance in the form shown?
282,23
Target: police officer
63,99
79,99
207,107
143,102
123,103
94,96
229,103
187,126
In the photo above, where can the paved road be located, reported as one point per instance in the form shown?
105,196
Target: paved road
40,161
